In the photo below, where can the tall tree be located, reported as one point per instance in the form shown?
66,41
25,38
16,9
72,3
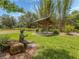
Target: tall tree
44,8
59,9
62,11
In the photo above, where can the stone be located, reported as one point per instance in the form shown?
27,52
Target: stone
12,42
16,48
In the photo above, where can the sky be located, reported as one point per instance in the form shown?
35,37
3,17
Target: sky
28,6
75,5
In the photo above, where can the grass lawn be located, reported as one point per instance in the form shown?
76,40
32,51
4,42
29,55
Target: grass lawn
55,47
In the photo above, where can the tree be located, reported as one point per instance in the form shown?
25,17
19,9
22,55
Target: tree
44,8
57,9
74,16
62,11
7,21
27,19
10,7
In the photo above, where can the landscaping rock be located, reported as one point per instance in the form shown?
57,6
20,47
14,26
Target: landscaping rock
12,42
16,48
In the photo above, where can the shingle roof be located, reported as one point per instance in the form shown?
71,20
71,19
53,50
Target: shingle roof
41,19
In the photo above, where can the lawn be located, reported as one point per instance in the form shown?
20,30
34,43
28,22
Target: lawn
54,47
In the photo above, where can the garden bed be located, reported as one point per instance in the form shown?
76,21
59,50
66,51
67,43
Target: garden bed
17,51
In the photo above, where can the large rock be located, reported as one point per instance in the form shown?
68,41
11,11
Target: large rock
12,42
16,48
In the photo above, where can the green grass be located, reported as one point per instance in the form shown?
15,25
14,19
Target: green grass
55,47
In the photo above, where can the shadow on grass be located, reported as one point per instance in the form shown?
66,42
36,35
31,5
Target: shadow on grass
53,54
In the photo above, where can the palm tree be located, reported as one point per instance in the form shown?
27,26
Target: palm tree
62,11
44,8
57,8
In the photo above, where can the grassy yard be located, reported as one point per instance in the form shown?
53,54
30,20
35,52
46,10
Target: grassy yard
55,47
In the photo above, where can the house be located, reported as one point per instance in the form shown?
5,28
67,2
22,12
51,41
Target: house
44,23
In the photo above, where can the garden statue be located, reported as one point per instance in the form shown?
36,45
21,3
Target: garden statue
21,38
27,44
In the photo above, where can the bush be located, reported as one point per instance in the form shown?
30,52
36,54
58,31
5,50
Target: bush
0,26
76,30
42,30
3,43
77,27
69,28
37,30
55,32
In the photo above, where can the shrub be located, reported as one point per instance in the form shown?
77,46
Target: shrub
55,32
3,43
42,30
76,30
37,30
77,27
69,28
51,30
0,26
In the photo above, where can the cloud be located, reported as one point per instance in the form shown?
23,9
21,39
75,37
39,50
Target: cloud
76,8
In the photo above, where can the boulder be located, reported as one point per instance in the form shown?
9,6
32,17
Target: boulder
12,42
16,48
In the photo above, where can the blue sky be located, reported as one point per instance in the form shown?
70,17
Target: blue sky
27,5
75,5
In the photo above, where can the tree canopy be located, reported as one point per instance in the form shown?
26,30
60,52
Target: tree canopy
7,21
10,7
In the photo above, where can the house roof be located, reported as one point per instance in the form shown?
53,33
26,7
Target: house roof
41,19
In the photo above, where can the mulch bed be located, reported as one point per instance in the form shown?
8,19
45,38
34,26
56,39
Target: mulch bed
25,55
29,52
